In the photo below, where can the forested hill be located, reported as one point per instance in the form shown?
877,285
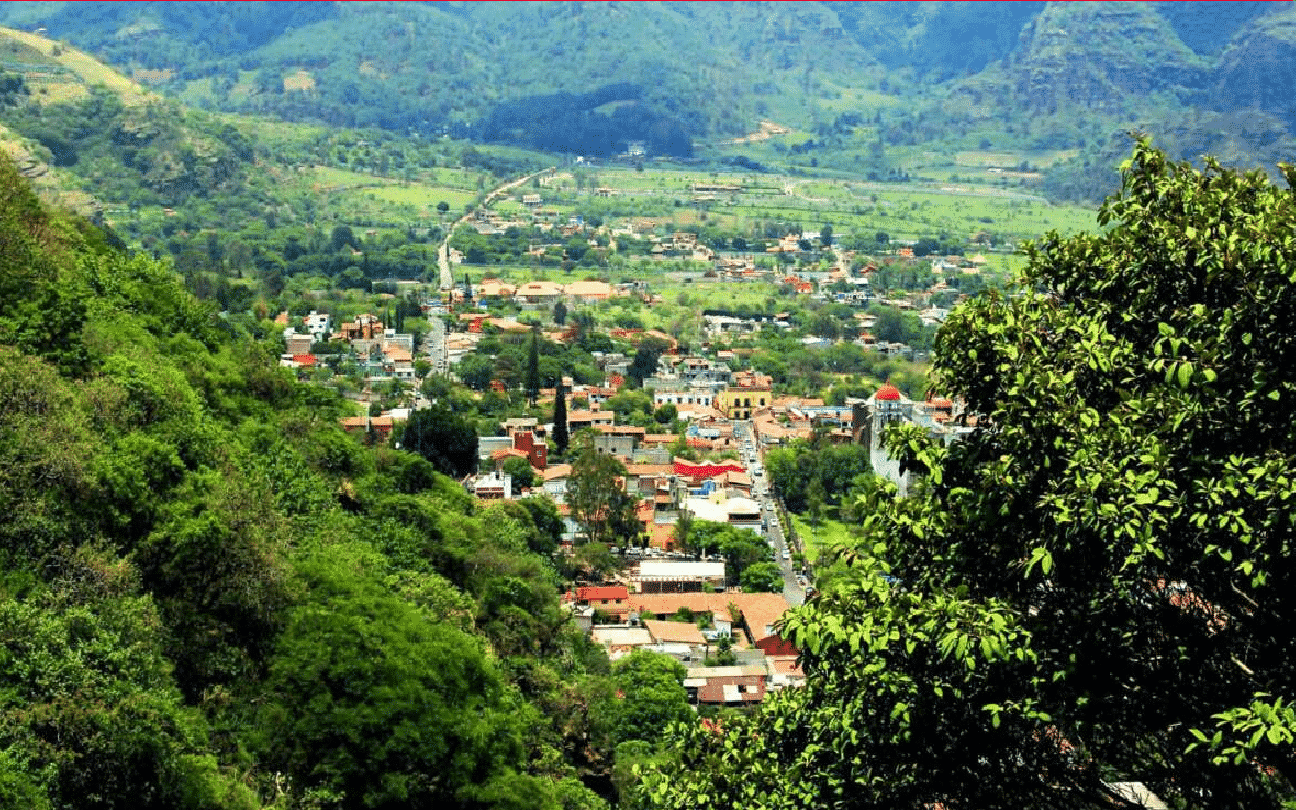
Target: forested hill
211,597
1022,75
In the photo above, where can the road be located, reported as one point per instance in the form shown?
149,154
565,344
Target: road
792,588
443,252
434,345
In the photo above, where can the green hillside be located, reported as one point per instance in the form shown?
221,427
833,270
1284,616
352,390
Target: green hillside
211,597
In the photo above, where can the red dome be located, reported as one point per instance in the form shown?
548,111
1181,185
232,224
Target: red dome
887,392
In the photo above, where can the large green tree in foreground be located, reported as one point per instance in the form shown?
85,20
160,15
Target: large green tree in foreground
1094,585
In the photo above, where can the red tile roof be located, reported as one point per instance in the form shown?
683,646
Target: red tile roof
706,470
590,593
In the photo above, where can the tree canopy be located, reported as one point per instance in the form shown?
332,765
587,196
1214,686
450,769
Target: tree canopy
213,598
1092,586
443,437
597,496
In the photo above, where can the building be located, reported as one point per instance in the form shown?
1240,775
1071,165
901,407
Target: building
726,686
611,599
493,486
871,417
739,512
750,392
618,440
680,576
364,327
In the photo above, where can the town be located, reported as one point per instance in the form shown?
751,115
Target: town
688,428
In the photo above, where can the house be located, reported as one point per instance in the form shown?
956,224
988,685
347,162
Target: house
783,672
587,292
739,512
684,634
611,599
619,640
555,481
618,440
495,485
296,343
532,446
487,446
726,686
494,288
380,425
679,576
750,391
664,605
536,294
364,327
577,420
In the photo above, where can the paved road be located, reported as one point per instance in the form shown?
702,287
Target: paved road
792,590
443,252
434,345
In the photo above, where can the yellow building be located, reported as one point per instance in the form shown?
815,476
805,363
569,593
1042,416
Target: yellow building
739,403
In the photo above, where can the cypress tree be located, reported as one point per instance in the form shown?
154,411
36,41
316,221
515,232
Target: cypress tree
560,436
533,368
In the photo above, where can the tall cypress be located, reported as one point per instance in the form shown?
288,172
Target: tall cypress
560,436
533,368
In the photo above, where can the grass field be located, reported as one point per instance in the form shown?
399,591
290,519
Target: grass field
817,539
908,211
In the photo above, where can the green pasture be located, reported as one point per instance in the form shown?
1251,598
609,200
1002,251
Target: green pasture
903,211
820,538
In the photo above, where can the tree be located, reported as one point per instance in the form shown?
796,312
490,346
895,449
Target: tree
594,562
371,701
683,530
1094,584
826,236
645,360
443,207
739,547
666,414
341,237
597,497
533,368
476,371
446,439
762,577
653,685
524,475
559,313
560,435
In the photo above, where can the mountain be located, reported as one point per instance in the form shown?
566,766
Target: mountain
680,77
1257,70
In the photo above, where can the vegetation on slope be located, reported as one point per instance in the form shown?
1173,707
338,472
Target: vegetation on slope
212,597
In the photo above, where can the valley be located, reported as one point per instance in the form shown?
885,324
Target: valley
582,406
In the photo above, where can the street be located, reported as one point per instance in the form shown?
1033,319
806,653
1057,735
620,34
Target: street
792,589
